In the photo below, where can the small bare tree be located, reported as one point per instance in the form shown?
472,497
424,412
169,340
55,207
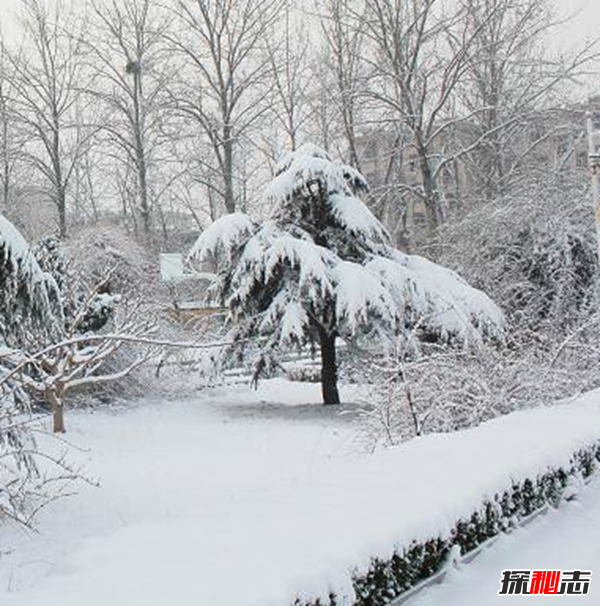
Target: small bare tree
79,360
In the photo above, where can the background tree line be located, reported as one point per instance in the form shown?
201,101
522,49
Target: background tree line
145,110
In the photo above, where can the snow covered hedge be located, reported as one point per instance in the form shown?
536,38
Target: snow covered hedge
388,579
558,475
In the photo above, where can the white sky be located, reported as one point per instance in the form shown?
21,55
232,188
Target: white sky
584,24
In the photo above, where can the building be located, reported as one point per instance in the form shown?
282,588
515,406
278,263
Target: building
545,140
392,166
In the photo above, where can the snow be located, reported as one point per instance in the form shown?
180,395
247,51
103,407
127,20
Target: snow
353,215
171,267
359,292
254,497
21,256
11,236
560,540
223,235
312,260
438,296
308,165
293,322
28,282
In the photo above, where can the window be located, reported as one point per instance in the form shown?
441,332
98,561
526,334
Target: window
419,219
562,145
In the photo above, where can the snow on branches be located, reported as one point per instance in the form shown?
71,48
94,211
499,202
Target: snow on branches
322,267
29,297
78,332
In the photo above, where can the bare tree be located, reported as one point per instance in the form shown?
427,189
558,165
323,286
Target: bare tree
324,126
343,42
49,84
11,136
289,62
417,57
78,360
225,76
131,78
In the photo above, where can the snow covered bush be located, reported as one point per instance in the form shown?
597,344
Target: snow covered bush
322,268
535,250
87,303
94,250
437,388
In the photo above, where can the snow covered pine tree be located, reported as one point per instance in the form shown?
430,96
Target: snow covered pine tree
29,297
322,268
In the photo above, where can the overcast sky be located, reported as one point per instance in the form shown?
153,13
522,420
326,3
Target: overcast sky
585,23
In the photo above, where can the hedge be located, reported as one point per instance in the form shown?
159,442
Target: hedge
387,579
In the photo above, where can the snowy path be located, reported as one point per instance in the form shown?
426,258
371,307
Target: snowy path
225,501
566,539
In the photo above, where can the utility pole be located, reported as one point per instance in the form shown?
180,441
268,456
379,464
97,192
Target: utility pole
594,163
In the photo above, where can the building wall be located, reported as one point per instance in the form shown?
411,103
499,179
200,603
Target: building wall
391,165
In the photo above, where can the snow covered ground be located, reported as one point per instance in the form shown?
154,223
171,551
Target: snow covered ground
248,498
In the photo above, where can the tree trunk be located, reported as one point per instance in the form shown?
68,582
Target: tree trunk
432,198
329,376
144,203
61,204
140,151
60,184
58,411
228,170
6,159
